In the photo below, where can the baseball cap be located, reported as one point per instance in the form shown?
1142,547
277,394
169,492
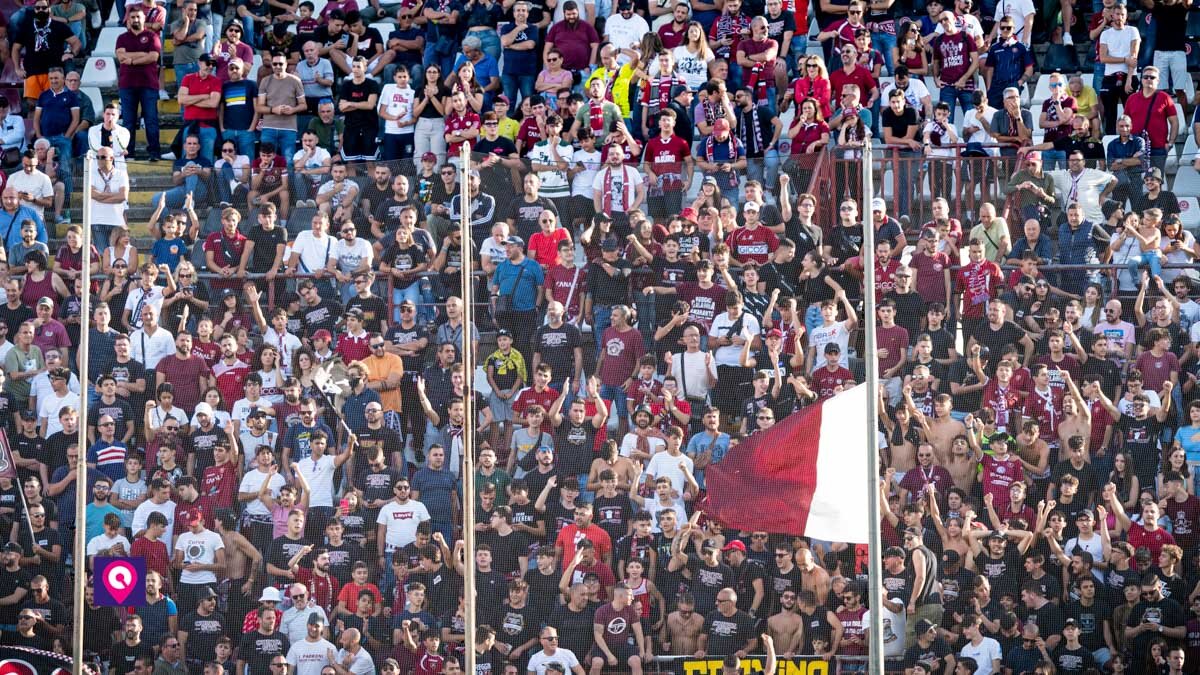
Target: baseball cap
270,594
203,408
924,626
643,409
721,125
774,333
207,592
750,206
27,414
624,5
878,204
504,332
832,348
429,157
735,545
257,412
1033,155
13,547
688,214
45,301
205,58
929,233
502,98
709,544
894,552
950,557
710,180
354,312
1070,623
322,335
1155,173
514,240
610,244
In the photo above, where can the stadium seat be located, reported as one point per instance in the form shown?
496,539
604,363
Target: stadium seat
113,18
93,94
100,71
106,44
385,29
299,220
1187,182
1041,91
211,224
198,258
1190,150
1189,213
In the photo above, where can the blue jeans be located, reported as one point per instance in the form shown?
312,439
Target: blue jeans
885,43
512,84
796,52
764,169
1053,159
602,319
953,96
176,195
399,295
489,42
147,98
397,146
284,140
101,235
224,191
244,139
1150,258
619,409
62,146
208,141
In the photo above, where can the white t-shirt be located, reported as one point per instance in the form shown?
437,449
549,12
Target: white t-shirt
143,511
319,157
138,299
242,410
49,407
623,185
287,344
588,163
663,464
971,119
361,664
319,474
537,662
199,548
150,349
491,249
239,165
1085,189
37,184
308,658
397,102
1018,10
983,654
653,506
915,94
314,253
630,443
40,385
252,482
351,255
823,335
109,214
730,355
693,68
967,24
102,542
893,631
401,521
294,623
625,33
1119,43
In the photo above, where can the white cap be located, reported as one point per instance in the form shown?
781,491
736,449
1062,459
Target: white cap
203,408
269,594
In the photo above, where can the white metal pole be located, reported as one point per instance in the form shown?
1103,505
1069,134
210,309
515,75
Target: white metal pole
871,368
81,485
469,412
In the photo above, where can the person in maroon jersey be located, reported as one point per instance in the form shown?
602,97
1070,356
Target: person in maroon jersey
752,241
827,381
668,165
617,628
541,393
976,283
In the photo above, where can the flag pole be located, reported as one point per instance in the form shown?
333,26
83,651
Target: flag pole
6,449
874,593
81,487
469,413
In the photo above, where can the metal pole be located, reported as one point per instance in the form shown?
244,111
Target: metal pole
871,365
81,486
469,412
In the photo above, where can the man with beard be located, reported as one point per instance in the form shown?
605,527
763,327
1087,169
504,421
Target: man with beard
575,435
377,445
200,630
264,646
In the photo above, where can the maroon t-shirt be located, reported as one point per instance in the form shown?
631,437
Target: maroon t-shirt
184,375
559,281
666,158
825,382
895,340
618,625
622,350
704,303
145,75
954,52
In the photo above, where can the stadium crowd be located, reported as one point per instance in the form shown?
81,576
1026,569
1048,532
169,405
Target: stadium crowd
656,287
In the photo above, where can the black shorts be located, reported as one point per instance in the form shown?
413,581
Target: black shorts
358,144
621,651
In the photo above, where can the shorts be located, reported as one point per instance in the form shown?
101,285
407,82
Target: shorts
623,652
502,410
358,144
36,84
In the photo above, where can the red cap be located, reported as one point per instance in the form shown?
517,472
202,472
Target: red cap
721,125
735,545
322,335
689,214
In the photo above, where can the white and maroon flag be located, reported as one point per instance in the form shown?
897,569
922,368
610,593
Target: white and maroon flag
807,475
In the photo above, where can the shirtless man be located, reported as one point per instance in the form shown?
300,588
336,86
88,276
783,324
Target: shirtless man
681,632
785,627
241,560
1077,415
813,578
961,463
1034,454
942,428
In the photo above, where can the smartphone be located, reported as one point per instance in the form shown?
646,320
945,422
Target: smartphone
344,505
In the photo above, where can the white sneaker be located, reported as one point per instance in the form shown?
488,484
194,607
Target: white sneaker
1067,41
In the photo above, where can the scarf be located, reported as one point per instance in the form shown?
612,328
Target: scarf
752,125
596,117
658,93
759,81
713,112
710,146
608,190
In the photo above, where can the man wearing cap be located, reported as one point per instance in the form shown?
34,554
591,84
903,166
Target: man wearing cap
624,30
309,651
722,157
929,648
752,242
200,554
1155,196
516,289
200,631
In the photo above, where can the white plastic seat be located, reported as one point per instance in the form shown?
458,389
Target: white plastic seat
93,93
1041,91
100,71
1189,213
1187,182
106,43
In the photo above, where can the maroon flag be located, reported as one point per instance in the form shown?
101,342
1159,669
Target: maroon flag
8,465
807,475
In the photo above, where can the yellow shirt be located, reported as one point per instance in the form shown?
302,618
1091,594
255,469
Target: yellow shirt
1086,101
381,367
509,128
620,85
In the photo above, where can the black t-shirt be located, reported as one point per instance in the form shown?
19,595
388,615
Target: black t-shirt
124,656
257,649
1004,572
374,311
1140,439
506,550
525,214
1165,612
706,582
266,242
937,651
957,589
574,628
201,444
441,589
404,258
517,625
14,317
609,290
910,311
1073,660
557,348
1048,618
342,559
281,550
574,446
9,583
42,53
543,591
728,634
1091,622
321,316
203,634
399,335
899,124
1108,372
613,514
